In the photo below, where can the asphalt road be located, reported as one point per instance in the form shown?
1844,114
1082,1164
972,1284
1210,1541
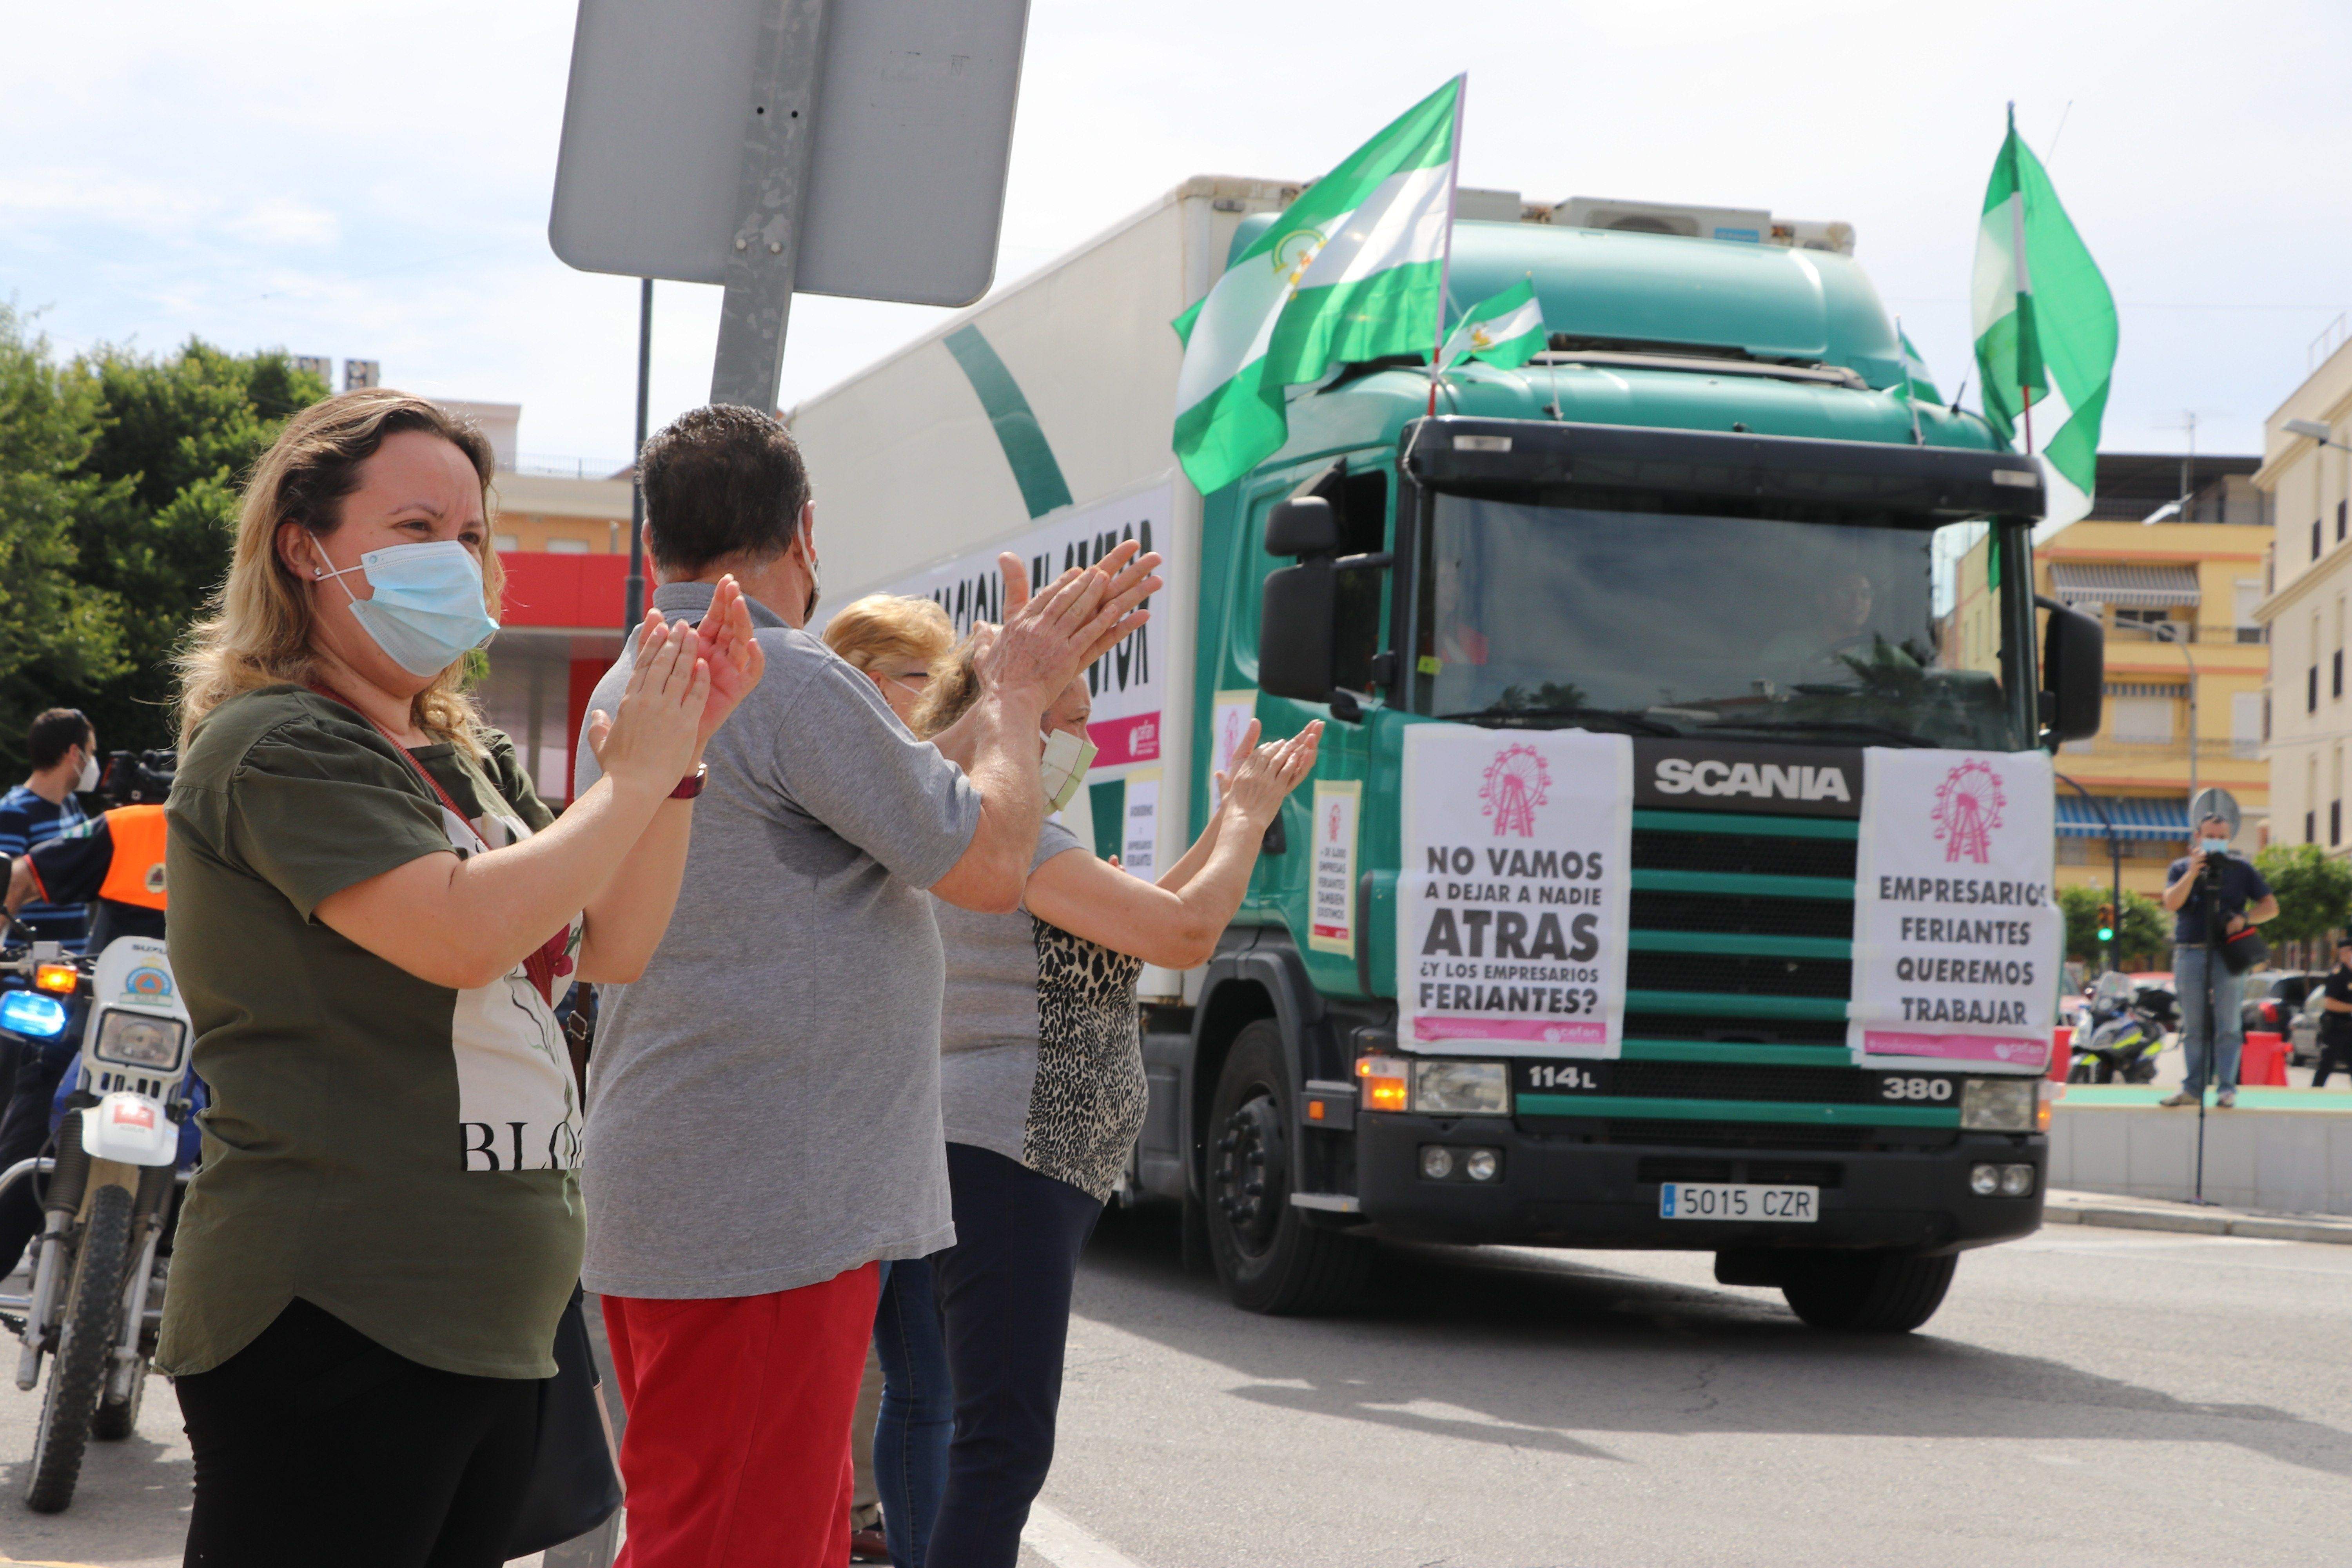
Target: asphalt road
2088,1397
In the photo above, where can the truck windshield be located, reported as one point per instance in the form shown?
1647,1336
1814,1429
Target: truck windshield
1669,622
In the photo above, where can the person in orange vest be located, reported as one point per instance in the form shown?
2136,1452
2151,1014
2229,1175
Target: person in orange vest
113,861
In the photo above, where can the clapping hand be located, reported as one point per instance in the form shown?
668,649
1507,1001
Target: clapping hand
655,738
1263,777
725,642
1048,639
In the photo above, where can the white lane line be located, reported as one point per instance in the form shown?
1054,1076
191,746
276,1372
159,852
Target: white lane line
1063,1542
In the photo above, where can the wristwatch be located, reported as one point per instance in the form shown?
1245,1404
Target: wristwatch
692,785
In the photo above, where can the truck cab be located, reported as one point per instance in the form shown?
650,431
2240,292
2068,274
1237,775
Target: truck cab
1712,518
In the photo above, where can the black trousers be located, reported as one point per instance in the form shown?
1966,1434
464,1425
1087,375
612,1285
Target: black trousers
2335,1056
1004,1298
316,1445
39,1067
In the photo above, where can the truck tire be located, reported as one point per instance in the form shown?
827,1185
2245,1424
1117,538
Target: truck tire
1866,1292
1268,1257
78,1374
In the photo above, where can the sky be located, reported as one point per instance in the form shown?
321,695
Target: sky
371,180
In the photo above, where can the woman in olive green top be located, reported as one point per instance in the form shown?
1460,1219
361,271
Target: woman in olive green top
372,914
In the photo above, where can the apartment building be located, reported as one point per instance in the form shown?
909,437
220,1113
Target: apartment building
2171,561
2304,474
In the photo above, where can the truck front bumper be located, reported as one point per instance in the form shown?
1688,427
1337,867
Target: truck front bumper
1567,1191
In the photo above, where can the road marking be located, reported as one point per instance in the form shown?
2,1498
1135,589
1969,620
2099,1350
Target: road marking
1066,1544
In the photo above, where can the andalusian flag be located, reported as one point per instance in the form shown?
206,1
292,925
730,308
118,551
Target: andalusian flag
1917,385
1505,331
2045,328
1351,270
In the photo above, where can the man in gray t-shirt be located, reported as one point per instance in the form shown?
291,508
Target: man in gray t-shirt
764,1110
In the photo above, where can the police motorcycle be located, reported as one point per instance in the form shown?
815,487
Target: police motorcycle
2121,1031
107,1190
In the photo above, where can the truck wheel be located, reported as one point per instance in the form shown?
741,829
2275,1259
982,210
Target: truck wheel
1866,1292
78,1375
1269,1259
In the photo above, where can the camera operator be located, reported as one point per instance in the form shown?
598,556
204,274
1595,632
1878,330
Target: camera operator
2209,888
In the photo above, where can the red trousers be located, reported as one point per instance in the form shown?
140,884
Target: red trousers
737,1450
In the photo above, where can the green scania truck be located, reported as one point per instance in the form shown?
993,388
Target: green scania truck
1706,543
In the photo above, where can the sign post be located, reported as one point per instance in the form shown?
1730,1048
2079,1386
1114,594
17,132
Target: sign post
772,192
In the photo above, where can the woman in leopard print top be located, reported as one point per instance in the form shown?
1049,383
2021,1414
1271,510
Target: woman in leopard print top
1042,1094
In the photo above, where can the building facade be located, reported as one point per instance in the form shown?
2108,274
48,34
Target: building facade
2310,581
2171,561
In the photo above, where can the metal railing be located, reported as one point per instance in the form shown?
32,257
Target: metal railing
2246,748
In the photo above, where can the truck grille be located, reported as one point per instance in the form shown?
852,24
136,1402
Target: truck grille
1734,1080
1826,1173
1762,1135
1742,916
1751,1031
1747,976
1663,849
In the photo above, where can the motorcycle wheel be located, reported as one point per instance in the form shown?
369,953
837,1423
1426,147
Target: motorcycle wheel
78,1375
2079,1073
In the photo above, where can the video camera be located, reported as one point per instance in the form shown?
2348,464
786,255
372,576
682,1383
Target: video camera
138,778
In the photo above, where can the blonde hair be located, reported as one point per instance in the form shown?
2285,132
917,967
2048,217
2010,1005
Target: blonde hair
954,688
257,631
886,625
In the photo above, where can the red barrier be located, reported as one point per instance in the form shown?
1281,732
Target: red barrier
2263,1064
2062,1051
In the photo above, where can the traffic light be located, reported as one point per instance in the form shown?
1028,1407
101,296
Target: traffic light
2107,922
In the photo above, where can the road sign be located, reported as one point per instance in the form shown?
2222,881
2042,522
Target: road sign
2213,800
847,147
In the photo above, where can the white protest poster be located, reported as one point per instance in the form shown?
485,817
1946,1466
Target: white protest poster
1515,891
1332,888
1129,682
1229,720
1956,934
1138,839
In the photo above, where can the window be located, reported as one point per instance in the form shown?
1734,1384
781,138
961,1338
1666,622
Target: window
2335,673
2140,718
505,542
2146,620
567,547
2311,690
2341,507
2246,724
2314,539
2334,822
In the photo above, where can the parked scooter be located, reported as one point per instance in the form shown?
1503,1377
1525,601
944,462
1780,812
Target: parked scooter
107,1193
2121,1030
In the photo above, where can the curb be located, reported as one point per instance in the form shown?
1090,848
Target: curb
2070,1208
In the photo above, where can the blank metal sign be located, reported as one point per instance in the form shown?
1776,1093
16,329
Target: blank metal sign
914,117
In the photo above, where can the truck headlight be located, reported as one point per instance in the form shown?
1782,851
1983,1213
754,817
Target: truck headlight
1461,1088
135,1040
1998,1104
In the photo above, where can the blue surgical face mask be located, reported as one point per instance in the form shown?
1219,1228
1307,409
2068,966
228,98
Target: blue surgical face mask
2214,846
428,610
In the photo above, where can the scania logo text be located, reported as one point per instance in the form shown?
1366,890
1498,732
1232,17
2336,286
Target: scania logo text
1763,781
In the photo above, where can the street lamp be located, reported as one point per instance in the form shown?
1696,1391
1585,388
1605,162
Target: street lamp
2323,434
2179,633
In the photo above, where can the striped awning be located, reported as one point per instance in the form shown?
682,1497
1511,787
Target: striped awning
2133,587
2134,816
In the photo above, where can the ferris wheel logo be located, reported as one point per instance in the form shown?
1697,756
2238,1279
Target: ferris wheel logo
1968,809
1516,782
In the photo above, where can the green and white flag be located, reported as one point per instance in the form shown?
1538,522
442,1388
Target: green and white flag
1917,385
1505,331
2045,326
1350,271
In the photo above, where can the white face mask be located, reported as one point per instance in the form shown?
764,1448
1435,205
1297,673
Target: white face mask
1067,758
89,779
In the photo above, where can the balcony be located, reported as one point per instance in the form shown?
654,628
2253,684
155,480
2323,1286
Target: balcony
2242,749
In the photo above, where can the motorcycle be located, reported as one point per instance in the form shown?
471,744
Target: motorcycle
2121,1031
99,1263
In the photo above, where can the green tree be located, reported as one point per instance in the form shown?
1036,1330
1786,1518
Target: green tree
2145,931
2314,888
54,625
163,445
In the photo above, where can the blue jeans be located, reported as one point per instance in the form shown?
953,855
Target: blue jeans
2209,1018
910,1436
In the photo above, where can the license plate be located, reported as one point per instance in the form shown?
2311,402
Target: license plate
1738,1201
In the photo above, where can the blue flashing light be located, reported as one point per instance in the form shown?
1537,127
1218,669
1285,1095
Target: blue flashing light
30,1013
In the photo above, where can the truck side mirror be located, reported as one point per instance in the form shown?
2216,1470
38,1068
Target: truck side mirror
1297,621
2074,668
1304,526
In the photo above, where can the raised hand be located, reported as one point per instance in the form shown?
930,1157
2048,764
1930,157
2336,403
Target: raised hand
1263,777
725,642
1050,637
653,741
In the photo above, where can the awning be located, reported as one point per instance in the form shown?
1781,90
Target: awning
2134,816
2133,587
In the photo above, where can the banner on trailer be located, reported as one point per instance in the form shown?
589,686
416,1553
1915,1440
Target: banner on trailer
1514,889
1956,937
1129,681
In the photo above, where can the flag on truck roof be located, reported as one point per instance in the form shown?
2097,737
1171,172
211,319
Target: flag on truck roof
1351,270
2045,327
1505,331
1918,383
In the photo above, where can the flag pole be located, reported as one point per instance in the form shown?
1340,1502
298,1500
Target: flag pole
2020,274
1445,261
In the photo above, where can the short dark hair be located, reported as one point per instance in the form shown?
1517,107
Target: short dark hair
721,482
54,733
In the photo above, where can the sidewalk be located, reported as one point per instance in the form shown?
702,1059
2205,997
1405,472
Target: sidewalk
2065,1207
